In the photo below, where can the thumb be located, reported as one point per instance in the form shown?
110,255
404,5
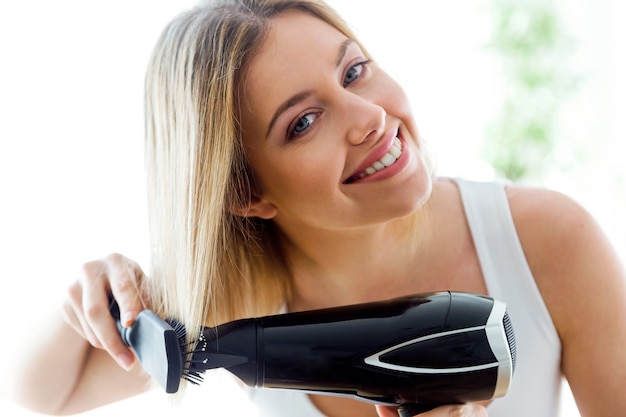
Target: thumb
125,280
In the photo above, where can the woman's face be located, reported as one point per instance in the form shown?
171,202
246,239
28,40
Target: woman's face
329,135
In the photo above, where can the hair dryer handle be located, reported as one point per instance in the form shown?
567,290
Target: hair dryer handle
410,410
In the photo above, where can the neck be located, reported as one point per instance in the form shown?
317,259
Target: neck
360,266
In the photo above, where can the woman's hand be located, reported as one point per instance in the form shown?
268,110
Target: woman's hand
461,410
86,309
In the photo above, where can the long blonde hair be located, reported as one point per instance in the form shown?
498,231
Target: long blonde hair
209,265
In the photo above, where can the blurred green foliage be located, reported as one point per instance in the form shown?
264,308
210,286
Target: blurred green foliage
533,49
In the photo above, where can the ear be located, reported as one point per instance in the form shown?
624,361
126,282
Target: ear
257,207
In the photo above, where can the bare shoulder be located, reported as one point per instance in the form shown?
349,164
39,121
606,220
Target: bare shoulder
583,283
565,247
551,224
556,233
555,228
536,204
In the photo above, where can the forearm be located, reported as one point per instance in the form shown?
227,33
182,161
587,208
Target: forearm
45,366
58,372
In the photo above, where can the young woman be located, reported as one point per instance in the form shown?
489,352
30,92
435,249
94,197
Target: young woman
286,171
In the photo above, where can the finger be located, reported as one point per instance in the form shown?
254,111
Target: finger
394,411
125,278
95,305
469,410
69,316
74,316
386,411
462,410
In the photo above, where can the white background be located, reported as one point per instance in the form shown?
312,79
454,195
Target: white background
71,132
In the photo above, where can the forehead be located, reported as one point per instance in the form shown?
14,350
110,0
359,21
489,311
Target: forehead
296,34
298,48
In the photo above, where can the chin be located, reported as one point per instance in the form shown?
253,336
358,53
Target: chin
420,186
413,197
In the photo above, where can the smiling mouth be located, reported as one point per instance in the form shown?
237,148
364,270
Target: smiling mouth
387,160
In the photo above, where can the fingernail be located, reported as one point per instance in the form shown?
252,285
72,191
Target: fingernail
128,319
126,360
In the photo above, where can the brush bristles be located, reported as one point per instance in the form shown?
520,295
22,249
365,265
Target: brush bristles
194,378
179,330
188,350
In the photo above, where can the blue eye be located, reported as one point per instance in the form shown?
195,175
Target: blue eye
353,73
302,124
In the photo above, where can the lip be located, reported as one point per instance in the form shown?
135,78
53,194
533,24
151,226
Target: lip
377,154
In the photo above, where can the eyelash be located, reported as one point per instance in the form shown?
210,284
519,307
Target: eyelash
292,134
362,64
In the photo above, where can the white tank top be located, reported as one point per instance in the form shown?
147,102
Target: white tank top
536,385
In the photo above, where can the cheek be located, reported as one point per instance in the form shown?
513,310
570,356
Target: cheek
389,94
395,98
305,172
396,103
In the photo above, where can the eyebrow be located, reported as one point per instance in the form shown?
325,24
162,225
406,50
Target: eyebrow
300,97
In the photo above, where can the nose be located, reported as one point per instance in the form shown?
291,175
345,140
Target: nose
363,117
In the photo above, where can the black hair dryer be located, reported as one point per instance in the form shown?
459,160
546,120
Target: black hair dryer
416,352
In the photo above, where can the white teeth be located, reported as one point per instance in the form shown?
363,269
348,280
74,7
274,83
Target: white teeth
396,151
389,159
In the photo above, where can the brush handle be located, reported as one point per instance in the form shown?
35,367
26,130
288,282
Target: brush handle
114,308
156,344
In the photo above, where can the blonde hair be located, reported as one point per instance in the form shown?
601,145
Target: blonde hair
209,265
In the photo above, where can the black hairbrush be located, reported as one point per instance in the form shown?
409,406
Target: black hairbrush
158,344
416,352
